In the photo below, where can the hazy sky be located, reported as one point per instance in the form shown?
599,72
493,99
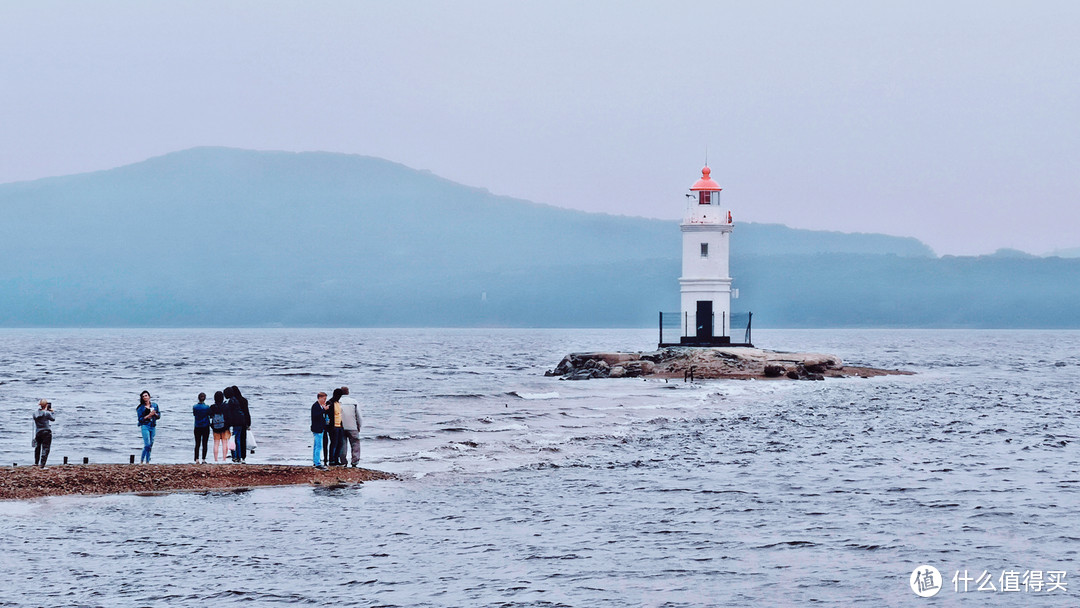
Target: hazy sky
954,122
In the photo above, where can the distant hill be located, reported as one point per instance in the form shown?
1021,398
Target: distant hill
222,237
777,239
1006,252
1073,252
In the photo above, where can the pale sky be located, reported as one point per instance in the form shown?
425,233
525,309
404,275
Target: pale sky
954,122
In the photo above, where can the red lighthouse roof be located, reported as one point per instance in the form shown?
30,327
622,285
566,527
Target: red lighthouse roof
706,182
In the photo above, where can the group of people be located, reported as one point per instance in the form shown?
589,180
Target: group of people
335,428
228,418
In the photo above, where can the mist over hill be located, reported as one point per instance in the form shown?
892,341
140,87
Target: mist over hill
224,237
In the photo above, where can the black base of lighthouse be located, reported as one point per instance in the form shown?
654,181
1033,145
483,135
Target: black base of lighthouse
705,342
674,326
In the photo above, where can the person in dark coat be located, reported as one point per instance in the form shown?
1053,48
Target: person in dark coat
232,419
318,427
241,422
337,434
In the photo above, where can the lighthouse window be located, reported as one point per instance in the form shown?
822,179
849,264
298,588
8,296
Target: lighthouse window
704,250
703,198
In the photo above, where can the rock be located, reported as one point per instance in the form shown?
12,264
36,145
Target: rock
658,356
707,363
581,374
613,359
564,366
1059,364
774,371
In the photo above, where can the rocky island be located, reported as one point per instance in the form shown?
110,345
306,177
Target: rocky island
690,362
34,482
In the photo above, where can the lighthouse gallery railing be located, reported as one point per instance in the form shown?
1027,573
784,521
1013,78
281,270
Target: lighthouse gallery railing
674,326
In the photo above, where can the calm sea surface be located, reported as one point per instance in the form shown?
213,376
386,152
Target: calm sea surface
521,490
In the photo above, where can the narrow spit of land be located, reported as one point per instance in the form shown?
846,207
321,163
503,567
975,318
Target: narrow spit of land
34,482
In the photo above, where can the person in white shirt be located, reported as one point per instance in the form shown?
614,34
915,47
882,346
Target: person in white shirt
350,425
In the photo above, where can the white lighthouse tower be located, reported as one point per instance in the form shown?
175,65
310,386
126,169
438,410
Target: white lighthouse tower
705,284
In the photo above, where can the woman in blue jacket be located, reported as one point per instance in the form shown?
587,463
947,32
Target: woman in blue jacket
201,412
148,414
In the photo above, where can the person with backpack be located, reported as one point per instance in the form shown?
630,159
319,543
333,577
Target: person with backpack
220,426
201,411
148,414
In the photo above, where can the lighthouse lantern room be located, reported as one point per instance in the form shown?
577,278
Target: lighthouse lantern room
705,284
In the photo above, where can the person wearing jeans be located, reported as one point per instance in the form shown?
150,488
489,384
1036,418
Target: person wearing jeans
148,413
318,428
350,425
201,412
42,432
241,422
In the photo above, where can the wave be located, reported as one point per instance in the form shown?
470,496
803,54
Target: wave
787,544
465,429
398,437
534,396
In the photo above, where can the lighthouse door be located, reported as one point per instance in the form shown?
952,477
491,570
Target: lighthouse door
704,319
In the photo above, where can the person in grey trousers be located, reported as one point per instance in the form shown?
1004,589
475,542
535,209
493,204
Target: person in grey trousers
42,432
350,425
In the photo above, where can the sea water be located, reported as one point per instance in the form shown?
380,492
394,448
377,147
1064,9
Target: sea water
521,490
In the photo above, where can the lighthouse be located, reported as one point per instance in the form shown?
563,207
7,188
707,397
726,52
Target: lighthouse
705,284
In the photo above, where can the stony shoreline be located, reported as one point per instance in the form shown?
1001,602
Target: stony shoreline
18,483
710,363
